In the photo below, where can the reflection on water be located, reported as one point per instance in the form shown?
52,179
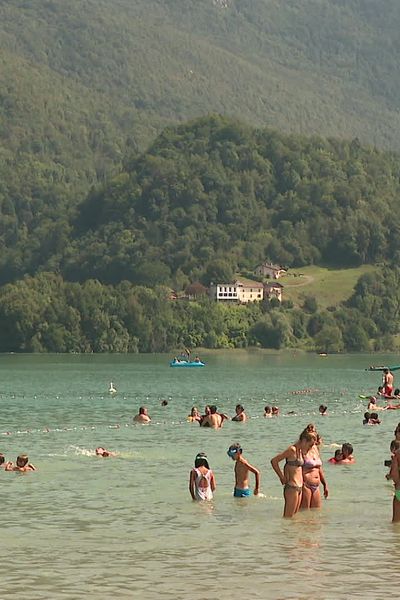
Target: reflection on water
84,527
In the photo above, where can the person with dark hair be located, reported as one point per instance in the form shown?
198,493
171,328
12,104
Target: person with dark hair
142,416
323,410
2,461
201,479
242,469
22,464
240,414
367,418
394,475
388,381
292,477
214,420
347,452
268,412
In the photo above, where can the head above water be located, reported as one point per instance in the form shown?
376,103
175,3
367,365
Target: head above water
142,410
2,458
22,460
267,409
239,408
234,451
201,460
347,450
213,409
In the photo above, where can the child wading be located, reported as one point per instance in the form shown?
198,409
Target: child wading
242,468
202,480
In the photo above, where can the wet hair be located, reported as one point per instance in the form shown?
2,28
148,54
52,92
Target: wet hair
2,458
374,416
386,371
142,410
22,460
213,409
396,392
267,409
367,416
164,403
240,407
338,453
310,428
201,460
348,448
322,408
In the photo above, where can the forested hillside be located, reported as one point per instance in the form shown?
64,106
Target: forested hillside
83,81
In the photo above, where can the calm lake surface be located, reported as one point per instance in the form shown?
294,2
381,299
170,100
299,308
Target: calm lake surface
84,527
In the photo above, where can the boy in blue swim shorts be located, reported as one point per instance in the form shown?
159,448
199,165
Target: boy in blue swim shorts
242,469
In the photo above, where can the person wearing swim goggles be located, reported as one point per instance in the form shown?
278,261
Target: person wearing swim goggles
242,469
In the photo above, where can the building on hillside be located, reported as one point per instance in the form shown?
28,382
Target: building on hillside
196,290
273,290
241,291
267,269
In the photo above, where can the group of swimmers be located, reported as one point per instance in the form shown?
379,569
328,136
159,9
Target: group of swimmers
22,464
301,477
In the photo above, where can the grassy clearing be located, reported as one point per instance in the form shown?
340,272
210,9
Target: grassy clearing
329,286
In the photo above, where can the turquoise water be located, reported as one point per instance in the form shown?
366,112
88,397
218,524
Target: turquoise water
83,527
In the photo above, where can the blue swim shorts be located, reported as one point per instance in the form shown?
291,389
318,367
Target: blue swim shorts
239,493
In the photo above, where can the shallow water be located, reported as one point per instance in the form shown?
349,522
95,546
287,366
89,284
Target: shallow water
83,527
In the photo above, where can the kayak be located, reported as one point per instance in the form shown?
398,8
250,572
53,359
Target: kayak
186,363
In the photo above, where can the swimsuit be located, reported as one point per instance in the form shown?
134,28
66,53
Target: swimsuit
312,463
293,486
241,493
202,485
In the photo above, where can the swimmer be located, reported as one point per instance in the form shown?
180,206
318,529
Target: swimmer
242,469
347,452
201,480
240,414
267,412
112,389
104,453
337,458
164,403
142,416
2,461
292,477
367,418
323,410
22,464
194,416
374,419
275,411
214,420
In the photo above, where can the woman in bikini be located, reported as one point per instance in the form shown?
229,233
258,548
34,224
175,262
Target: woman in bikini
292,477
394,475
313,476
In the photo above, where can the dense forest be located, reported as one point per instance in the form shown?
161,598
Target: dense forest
110,197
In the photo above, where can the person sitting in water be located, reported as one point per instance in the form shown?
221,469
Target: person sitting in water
275,411
323,410
267,412
374,419
214,420
104,453
22,464
2,461
347,455
242,469
240,414
337,458
194,415
142,416
367,418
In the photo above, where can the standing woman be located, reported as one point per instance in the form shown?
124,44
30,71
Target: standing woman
292,477
395,476
313,476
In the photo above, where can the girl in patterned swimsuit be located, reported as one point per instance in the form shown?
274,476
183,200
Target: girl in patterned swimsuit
292,477
202,480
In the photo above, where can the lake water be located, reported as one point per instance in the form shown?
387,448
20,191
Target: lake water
84,527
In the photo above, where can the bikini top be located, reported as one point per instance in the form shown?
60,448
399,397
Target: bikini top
312,463
297,462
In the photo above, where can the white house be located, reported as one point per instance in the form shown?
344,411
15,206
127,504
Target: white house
267,269
241,291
